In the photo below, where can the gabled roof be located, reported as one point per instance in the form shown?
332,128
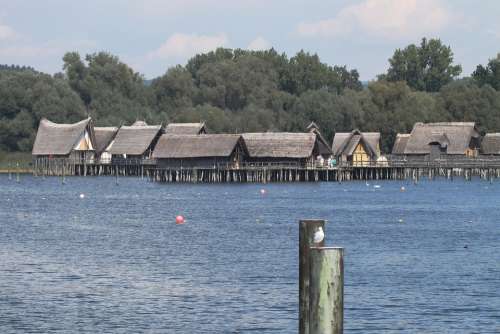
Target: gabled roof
280,144
491,144
323,146
134,140
103,137
185,128
196,146
59,139
400,143
312,126
346,142
455,136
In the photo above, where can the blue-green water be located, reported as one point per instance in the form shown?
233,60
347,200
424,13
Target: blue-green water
426,260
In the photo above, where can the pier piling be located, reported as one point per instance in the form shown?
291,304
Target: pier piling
326,290
307,228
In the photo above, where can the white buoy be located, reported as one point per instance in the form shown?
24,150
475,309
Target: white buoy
401,220
367,184
82,196
319,235
263,191
377,186
403,189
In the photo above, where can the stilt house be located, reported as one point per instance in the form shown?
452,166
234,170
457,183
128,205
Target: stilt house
200,151
186,129
285,148
73,142
356,148
134,144
435,141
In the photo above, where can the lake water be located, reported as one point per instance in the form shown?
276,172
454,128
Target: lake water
426,260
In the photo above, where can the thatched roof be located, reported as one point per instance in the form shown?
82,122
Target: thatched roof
323,146
280,144
400,143
454,136
185,128
134,140
344,143
491,144
59,139
196,146
103,137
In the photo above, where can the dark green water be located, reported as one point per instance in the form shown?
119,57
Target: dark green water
115,261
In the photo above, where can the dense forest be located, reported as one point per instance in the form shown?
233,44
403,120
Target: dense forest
239,90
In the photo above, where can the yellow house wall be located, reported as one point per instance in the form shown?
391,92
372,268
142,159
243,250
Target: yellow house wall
471,153
360,157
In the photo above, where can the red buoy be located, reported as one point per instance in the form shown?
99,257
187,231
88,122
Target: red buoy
179,220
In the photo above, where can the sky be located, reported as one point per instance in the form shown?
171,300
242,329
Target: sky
153,35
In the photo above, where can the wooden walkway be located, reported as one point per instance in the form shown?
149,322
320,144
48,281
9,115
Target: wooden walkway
275,172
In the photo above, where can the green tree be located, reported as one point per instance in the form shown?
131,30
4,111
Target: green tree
110,89
489,74
26,97
427,67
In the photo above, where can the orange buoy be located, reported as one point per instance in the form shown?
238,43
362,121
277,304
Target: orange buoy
179,220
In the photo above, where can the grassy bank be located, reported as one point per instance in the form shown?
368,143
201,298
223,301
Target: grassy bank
9,160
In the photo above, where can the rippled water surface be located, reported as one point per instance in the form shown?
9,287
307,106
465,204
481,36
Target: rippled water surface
426,260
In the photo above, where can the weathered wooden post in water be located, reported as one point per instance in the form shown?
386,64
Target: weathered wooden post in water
326,290
10,173
307,229
116,175
17,177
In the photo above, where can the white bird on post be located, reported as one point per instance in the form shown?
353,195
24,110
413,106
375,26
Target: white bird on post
319,235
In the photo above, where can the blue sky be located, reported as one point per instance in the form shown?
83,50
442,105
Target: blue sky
151,35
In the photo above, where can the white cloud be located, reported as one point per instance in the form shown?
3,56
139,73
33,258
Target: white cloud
385,18
260,43
6,32
181,46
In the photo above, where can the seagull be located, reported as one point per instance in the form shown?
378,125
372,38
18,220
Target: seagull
319,235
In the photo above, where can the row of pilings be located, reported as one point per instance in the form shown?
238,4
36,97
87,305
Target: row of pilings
262,174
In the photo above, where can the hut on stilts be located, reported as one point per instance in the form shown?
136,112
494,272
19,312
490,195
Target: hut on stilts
448,141
63,149
356,148
199,158
132,148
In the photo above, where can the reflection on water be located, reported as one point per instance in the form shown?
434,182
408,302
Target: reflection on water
423,260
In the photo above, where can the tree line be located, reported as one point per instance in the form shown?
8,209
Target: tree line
243,91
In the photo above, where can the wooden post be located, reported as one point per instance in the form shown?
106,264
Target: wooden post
326,290
307,228
10,173
63,178
116,174
17,177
